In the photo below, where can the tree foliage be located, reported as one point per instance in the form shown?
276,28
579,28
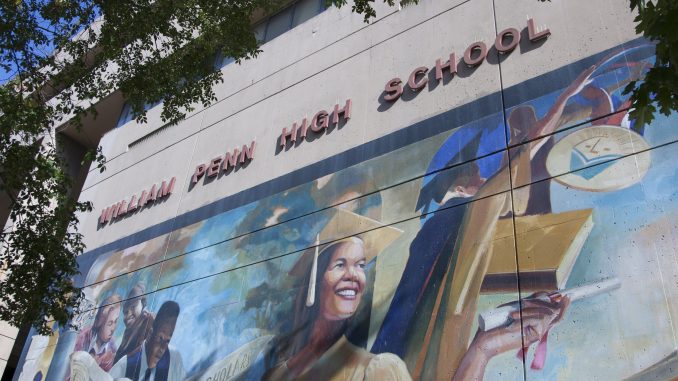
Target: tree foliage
658,91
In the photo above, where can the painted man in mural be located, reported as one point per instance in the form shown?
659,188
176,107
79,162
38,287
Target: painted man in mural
318,348
138,321
155,360
97,340
435,303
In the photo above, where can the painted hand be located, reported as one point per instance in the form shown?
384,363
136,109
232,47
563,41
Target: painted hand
539,313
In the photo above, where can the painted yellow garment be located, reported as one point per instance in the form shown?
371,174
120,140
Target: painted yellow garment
347,362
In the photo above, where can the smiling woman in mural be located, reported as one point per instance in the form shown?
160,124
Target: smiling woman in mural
319,348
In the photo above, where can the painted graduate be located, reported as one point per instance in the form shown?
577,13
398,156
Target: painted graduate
430,318
318,347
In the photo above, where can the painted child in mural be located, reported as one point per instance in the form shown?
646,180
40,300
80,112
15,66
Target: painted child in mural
318,348
138,321
97,340
434,305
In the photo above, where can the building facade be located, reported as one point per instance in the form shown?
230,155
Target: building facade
452,191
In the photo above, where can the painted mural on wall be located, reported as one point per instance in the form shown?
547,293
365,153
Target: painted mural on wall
424,263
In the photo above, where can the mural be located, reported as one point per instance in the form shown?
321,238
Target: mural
493,250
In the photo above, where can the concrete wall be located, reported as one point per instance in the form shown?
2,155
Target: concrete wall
7,335
475,191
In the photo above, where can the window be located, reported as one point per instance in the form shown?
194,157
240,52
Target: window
290,17
126,115
279,23
305,10
220,60
260,32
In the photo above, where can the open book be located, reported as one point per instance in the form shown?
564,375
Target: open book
547,246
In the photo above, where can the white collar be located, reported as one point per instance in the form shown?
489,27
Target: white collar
143,365
94,346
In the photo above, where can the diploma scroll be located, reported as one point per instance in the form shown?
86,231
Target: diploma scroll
501,316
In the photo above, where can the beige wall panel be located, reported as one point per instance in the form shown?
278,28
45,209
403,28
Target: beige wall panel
154,144
422,46
360,78
133,180
254,80
599,25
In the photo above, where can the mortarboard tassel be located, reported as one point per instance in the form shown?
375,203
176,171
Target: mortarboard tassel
310,298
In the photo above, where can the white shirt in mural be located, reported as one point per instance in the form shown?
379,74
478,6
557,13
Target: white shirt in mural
176,368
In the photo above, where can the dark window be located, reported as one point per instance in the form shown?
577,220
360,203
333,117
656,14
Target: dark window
126,115
280,23
260,32
305,10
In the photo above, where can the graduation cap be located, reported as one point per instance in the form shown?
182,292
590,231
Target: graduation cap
339,229
435,188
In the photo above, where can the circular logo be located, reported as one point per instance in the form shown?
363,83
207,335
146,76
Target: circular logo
593,159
